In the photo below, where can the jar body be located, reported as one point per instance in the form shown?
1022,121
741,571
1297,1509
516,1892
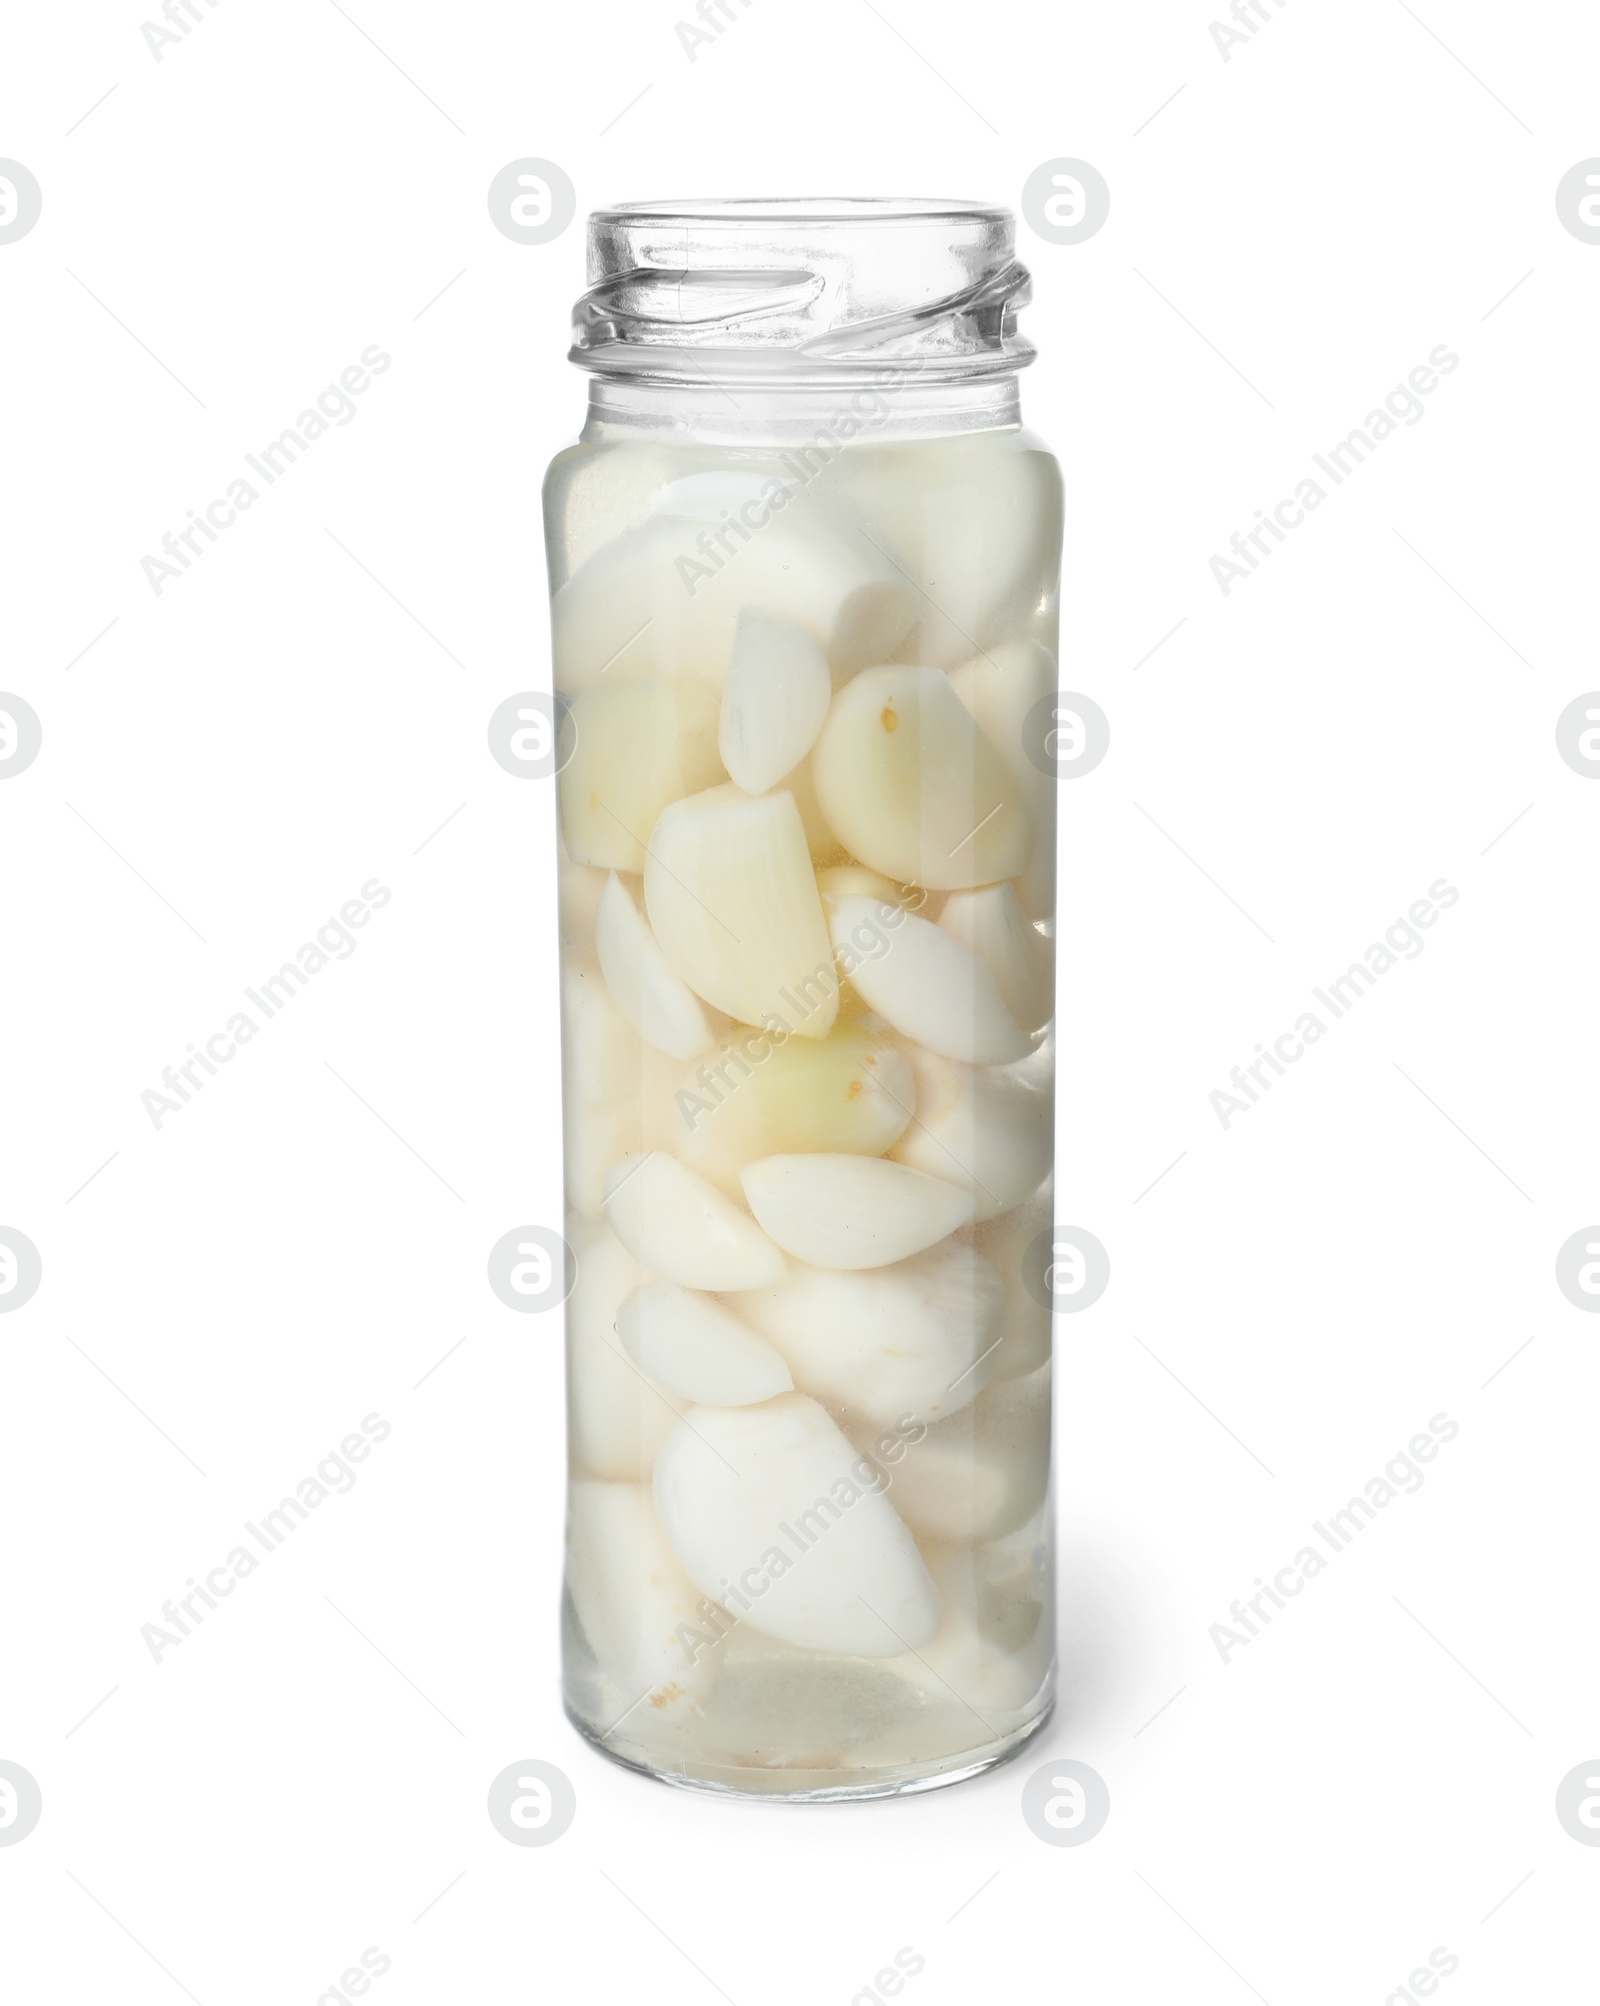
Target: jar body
807,935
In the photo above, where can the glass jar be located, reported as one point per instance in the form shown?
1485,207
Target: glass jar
804,564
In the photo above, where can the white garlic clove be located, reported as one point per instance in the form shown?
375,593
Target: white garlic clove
631,1599
617,1419
984,1131
980,531
771,1511
1015,1242
910,1340
680,1226
913,788
637,746
981,1473
838,1211
844,881
663,599
600,1060
991,922
927,985
776,696
764,1094
658,1004
1000,688
693,1346
729,888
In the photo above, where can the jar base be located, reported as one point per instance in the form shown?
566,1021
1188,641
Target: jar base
822,1786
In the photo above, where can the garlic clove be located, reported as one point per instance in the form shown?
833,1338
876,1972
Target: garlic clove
927,985
664,599
1000,687
990,922
617,1420
663,1009
731,896
680,1226
984,1131
771,1512
983,1472
763,1094
838,1211
631,1597
913,788
693,1346
908,1340
773,703
637,747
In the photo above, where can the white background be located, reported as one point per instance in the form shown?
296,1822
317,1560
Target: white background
1289,770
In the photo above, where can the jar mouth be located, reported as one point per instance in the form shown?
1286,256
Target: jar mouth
781,287
804,209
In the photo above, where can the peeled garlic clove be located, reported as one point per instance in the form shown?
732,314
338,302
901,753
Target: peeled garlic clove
887,1342
979,1474
981,532
765,1094
617,1419
838,1211
986,1132
661,1008
677,1224
842,881
694,1347
729,888
600,1059
1000,688
771,1512
927,985
990,922
1020,1243
992,1672
631,1598
913,788
637,747
776,696
663,599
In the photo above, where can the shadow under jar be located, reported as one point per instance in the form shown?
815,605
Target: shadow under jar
804,566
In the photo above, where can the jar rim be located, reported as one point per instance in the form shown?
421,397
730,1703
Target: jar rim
808,209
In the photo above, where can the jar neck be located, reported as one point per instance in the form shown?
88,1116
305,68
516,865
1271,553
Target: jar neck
885,404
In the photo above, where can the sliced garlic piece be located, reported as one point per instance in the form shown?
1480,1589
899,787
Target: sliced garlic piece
766,1094
694,1347
729,888
638,746
980,1473
677,1224
663,1009
984,1131
928,986
887,1342
630,1597
991,922
776,696
837,1211
617,1418
914,789
663,600
771,1512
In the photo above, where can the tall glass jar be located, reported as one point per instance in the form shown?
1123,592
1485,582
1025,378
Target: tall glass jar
803,565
